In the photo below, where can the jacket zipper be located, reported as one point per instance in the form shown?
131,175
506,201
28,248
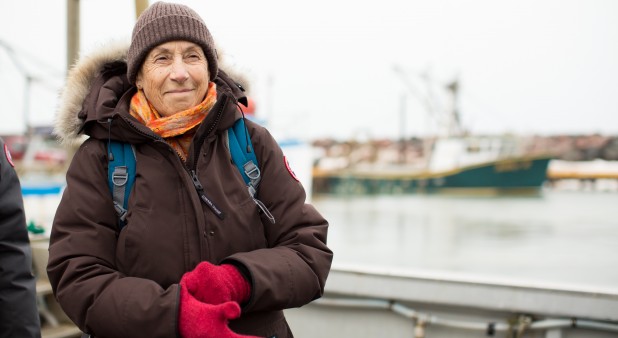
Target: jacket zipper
203,197
192,169
219,113
198,185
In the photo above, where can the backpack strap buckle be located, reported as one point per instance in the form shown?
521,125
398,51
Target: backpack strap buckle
120,176
252,171
120,211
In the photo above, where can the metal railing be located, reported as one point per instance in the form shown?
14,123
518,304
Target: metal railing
516,327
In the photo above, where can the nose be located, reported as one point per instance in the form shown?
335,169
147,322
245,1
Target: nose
179,71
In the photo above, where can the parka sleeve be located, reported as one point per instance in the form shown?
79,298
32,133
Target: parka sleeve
19,316
292,271
81,267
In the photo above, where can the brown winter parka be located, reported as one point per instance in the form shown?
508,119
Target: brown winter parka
124,283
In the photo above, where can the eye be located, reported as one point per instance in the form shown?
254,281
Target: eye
160,58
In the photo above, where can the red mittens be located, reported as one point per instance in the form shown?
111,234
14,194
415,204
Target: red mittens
216,284
201,320
209,297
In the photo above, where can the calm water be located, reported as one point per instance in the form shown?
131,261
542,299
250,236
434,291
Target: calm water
558,237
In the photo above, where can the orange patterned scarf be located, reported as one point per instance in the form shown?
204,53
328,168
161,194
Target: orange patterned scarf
177,129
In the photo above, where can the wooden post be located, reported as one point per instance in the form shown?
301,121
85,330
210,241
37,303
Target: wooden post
72,32
140,6
73,23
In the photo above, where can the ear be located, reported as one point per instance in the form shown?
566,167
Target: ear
139,80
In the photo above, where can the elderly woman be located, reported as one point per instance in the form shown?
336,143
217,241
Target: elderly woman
183,264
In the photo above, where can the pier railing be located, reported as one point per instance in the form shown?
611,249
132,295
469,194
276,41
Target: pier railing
364,303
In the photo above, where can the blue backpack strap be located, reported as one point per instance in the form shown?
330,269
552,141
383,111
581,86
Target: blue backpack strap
121,176
243,156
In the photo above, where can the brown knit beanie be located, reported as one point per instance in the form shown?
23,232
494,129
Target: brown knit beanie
163,22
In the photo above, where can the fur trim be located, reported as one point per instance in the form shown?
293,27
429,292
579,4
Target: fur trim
233,70
79,79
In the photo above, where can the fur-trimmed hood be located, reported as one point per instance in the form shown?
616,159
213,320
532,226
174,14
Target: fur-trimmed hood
68,124
71,117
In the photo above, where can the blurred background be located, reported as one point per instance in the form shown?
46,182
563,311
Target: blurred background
476,138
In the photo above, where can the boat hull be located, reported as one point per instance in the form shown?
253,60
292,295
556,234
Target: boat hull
522,175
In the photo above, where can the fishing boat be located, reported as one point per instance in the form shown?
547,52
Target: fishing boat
457,165
453,161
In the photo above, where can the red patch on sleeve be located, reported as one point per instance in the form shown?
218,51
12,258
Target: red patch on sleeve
287,166
7,153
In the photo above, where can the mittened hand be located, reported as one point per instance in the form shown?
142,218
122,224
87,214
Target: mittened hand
201,320
216,284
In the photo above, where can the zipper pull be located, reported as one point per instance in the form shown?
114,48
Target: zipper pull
265,210
196,182
200,191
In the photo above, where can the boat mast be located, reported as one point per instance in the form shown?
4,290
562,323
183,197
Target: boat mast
424,99
454,127
29,78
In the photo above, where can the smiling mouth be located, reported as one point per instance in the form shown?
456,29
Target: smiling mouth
179,91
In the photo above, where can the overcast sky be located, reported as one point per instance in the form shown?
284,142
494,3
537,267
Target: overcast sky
326,68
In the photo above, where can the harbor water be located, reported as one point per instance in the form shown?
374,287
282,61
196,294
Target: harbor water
563,238
558,237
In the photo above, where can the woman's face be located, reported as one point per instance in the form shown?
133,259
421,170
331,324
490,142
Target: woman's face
174,77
